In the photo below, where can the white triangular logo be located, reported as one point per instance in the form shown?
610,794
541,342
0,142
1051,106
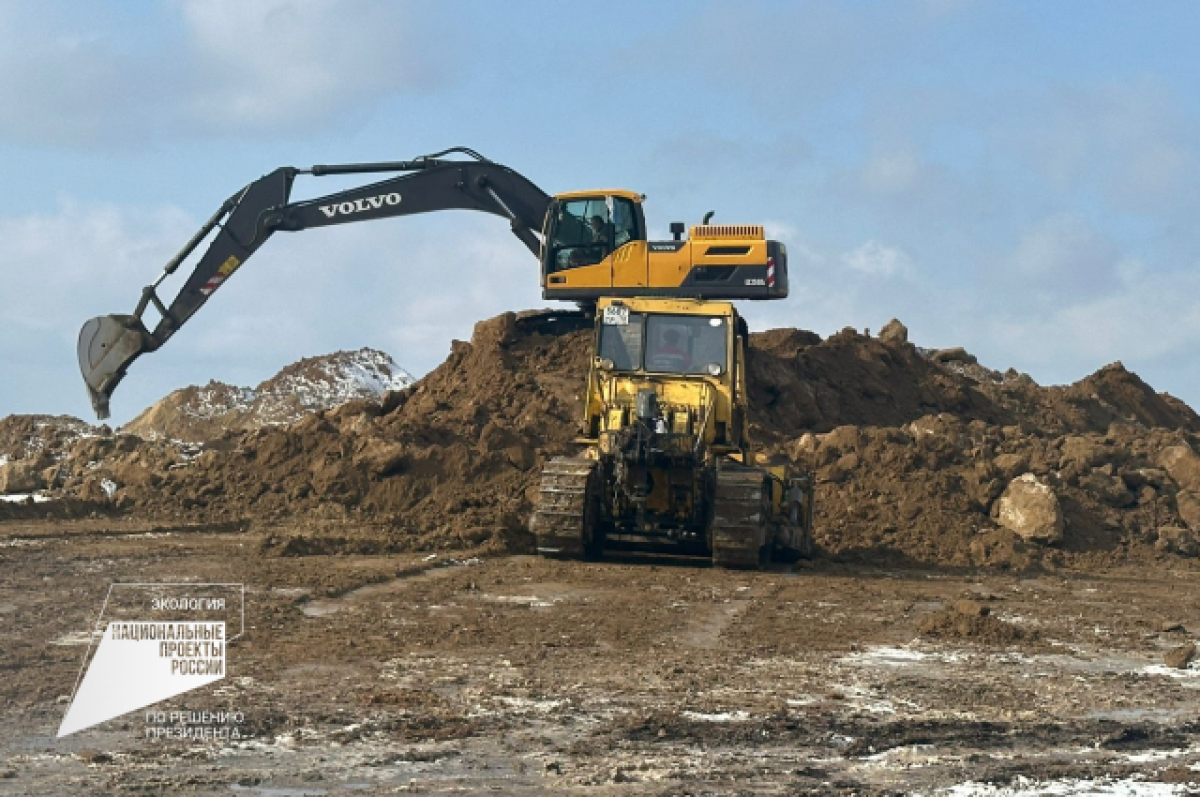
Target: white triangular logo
138,664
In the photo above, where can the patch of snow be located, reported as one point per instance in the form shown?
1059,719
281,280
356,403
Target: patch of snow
1150,756
16,498
22,543
724,716
528,600
364,374
1191,671
889,656
1026,787
524,704
912,755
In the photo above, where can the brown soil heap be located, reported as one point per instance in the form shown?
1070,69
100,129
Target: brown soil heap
912,452
314,383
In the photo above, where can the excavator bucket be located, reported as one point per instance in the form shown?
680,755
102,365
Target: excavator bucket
107,345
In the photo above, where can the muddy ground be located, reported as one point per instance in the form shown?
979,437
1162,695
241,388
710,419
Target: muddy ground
453,673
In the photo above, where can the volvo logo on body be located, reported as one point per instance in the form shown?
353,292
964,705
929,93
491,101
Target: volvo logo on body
360,205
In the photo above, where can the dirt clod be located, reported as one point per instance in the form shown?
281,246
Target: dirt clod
1180,657
983,628
971,608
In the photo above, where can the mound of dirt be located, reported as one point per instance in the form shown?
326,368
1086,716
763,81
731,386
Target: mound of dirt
952,623
30,436
447,462
312,384
912,451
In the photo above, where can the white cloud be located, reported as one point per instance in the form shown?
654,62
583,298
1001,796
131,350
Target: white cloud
60,86
1062,257
877,260
275,63
230,67
1155,317
58,265
891,173
1130,142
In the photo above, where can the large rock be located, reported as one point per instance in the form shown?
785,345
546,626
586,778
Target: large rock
894,332
1182,463
1180,657
1188,504
1030,509
956,354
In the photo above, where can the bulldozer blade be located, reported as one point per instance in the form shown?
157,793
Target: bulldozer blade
107,345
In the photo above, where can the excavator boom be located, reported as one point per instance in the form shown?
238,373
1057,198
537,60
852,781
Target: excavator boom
108,345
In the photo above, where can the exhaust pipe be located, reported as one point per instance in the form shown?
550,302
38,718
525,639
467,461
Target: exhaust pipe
107,345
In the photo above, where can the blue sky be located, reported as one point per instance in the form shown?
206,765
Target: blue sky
1015,177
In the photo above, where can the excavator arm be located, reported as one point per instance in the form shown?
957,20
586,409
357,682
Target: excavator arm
109,344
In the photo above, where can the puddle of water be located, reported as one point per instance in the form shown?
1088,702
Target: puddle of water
76,638
292,592
280,791
321,608
706,626
326,607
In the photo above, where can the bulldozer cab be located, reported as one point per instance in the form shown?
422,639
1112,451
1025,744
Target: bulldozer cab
687,354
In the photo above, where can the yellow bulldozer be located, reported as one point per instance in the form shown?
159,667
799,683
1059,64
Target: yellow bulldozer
666,464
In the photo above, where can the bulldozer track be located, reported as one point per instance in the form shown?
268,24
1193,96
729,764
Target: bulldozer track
564,515
739,523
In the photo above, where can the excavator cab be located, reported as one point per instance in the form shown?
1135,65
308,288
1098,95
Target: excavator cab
593,241
594,244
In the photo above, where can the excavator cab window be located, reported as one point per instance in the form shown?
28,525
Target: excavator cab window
587,230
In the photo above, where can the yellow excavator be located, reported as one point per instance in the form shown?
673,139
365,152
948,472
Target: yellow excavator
589,244
666,463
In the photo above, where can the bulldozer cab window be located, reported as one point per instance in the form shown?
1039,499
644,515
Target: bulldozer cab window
587,230
665,344
686,344
621,340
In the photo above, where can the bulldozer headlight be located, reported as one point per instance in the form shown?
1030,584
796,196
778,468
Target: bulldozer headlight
714,369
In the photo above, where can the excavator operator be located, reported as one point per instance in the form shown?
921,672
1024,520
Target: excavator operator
601,230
